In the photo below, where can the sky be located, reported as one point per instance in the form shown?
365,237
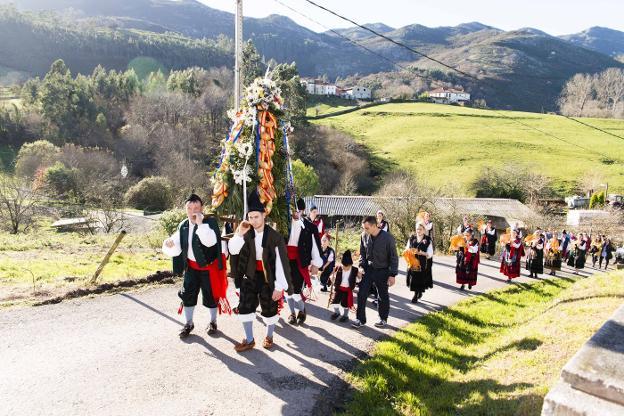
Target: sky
556,17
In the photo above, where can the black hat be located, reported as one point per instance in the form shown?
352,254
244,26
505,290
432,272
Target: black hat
253,202
194,198
300,204
346,258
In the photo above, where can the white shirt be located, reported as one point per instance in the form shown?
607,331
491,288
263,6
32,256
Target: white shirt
345,277
236,244
473,248
293,240
429,249
206,236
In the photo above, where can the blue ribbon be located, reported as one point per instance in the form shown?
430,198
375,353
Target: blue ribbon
227,138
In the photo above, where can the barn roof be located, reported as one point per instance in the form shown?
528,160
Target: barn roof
360,206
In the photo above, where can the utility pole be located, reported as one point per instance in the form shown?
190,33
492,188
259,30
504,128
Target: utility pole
238,47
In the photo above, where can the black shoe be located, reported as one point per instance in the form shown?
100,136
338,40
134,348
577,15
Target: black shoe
344,318
462,287
186,330
469,287
334,316
324,289
420,295
292,319
301,317
415,299
212,328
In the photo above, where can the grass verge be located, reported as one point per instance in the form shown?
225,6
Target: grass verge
496,354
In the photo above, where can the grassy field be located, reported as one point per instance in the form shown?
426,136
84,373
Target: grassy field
448,144
60,261
496,354
326,105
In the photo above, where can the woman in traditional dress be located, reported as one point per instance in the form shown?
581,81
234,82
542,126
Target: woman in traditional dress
595,250
580,253
606,252
467,266
488,240
429,233
553,255
512,256
419,278
535,258
381,221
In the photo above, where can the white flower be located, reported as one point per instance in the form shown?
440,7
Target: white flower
239,175
245,149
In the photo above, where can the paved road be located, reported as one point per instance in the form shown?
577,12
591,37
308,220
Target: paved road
120,355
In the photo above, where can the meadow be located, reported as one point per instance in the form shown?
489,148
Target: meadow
446,144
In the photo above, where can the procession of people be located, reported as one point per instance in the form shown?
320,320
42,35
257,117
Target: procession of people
271,271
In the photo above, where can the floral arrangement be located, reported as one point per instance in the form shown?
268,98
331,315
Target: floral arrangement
255,155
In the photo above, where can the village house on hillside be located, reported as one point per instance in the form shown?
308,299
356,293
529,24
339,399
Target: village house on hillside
443,95
320,87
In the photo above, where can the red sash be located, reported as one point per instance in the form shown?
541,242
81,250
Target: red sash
218,282
349,293
293,254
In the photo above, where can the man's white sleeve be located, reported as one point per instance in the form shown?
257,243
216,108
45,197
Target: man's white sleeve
236,244
280,276
206,235
317,260
174,251
473,249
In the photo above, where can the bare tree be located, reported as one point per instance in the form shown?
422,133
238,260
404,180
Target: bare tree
610,88
17,203
577,92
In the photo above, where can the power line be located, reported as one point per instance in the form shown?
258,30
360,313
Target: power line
389,39
593,127
456,70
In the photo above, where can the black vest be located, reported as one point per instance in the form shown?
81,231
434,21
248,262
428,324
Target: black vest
308,232
203,255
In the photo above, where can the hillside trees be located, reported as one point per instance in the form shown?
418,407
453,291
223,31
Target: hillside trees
599,95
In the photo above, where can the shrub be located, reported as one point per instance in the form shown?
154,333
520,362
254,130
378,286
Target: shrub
60,181
34,155
306,179
170,220
151,194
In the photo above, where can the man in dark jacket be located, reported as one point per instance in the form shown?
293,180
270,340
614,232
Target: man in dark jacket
379,264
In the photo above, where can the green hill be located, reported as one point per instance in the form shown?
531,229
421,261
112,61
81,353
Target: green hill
447,144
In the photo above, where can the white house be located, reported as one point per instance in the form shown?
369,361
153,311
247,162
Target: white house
358,93
445,95
318,87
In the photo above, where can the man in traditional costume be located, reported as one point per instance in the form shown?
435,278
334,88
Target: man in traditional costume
304,253
419,278
197,253
344,282
463,226
261,272
512,256
329,262
467,265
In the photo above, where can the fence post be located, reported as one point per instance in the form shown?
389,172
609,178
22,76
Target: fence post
104,262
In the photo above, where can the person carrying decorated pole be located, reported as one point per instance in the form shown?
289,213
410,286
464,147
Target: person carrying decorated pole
553,255
304,256
345,278
197,253
261,272
535,257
